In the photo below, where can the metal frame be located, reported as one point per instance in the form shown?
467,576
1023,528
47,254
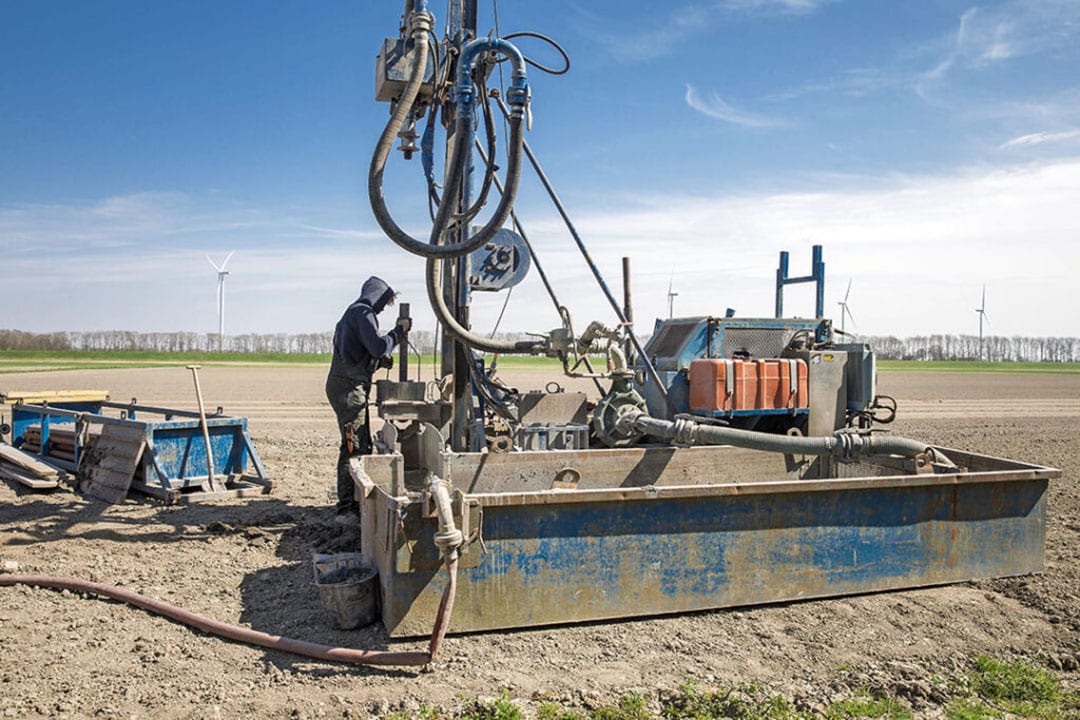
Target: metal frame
174,464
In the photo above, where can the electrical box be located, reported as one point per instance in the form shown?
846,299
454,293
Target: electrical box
828,391
393,66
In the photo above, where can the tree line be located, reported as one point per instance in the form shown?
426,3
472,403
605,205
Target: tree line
923,347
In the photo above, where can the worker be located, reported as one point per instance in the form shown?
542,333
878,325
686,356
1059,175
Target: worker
359,350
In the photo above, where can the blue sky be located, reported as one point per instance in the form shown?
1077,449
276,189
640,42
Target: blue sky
931,146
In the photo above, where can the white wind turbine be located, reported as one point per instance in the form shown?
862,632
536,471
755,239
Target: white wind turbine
221,273
982,316
671,296
844,311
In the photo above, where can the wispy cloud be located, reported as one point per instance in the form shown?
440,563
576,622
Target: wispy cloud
665,34
985,37
716,107
1042,138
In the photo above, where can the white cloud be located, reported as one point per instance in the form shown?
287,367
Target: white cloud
1042,138
919,247
666,34
716,107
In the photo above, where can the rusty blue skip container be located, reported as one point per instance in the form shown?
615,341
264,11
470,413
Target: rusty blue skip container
570,536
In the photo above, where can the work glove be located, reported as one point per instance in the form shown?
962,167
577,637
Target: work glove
404,325
386,362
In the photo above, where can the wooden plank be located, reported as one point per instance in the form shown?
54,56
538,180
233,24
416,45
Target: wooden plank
31,481
54,396
25,462
109,466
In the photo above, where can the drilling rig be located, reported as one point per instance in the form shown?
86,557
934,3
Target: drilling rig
727,461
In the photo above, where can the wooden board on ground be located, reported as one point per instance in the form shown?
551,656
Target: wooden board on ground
25,462
109,467
34,482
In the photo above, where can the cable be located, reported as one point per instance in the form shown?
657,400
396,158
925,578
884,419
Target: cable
558,48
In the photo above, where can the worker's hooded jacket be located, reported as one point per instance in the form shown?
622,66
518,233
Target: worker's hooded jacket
357,342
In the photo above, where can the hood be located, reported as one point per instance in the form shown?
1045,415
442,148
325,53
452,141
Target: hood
375,293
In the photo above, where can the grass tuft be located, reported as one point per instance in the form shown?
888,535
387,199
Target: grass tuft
868,705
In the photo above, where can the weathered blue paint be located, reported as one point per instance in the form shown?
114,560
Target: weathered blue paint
176,451
569,560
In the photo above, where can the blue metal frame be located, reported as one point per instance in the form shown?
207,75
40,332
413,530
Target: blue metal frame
816,276
176,457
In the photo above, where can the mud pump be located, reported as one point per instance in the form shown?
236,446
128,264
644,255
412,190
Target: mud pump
728,460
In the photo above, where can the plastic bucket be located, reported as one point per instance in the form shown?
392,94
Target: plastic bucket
348,589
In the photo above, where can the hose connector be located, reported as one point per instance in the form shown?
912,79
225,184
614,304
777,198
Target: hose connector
420,23
518,95
448,538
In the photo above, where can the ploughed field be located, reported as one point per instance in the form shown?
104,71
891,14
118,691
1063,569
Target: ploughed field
248,562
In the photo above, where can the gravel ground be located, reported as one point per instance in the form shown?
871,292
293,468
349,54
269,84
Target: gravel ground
248,562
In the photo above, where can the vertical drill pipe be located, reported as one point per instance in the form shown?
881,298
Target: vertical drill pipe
653,376
210,480
628,305
403,347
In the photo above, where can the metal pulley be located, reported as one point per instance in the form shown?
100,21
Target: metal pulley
501,263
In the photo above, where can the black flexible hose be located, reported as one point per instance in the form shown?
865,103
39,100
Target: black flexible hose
455,173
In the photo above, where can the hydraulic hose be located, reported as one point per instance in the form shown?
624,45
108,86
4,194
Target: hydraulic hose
844,446
463,129
465,336
254,637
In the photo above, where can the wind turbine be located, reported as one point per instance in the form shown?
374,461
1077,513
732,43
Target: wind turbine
221,273
844,311
671,296
982,316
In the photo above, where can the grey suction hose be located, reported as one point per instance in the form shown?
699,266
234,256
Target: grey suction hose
465,336
844,446
456,171
254,637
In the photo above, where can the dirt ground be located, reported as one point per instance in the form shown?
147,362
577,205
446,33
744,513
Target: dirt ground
248,562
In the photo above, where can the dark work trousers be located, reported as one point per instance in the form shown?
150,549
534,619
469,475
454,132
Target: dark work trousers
349,398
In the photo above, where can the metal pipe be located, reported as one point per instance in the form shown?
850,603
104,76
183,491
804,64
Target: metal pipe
628,305
403,346
651,370
233,632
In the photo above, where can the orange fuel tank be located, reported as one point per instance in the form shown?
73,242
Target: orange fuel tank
719,386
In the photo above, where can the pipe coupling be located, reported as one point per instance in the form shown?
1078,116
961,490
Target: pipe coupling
684,432
420,23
